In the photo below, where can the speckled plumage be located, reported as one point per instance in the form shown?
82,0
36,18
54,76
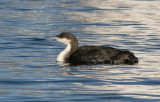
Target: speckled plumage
101,55
91,54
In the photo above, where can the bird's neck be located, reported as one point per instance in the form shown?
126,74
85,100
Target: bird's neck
65,54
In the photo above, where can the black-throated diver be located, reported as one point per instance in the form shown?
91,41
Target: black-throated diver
74,54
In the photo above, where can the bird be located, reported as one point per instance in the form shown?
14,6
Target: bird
84,55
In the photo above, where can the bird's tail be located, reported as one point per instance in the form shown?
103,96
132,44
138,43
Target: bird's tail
125,57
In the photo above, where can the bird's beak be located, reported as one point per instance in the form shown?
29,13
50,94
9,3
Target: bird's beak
51,37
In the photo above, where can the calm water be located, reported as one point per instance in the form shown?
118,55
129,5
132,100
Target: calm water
28,68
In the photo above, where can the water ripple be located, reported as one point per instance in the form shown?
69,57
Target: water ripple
28,68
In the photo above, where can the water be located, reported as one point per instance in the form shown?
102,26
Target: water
28,68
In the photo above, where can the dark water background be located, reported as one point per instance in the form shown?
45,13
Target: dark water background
28,68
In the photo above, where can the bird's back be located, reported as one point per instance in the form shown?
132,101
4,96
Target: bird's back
101,55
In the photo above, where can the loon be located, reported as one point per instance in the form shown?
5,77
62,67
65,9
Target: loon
76,55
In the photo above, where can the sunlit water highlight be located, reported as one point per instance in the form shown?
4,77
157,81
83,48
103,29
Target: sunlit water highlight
28,67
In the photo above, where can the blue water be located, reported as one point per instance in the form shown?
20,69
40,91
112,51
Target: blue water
28,68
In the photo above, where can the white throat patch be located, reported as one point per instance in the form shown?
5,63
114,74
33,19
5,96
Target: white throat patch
64,40
65,53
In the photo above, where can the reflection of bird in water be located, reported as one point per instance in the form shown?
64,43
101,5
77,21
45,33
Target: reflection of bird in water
91,54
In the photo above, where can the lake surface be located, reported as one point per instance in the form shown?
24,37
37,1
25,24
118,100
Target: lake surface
28,68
